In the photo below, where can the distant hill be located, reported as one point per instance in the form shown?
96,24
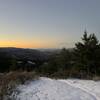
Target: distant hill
29,54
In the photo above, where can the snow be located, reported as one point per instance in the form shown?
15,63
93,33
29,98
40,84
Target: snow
50,89
90,86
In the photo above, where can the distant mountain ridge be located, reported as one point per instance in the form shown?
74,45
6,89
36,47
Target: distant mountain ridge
21,53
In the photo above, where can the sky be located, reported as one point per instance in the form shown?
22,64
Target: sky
47,23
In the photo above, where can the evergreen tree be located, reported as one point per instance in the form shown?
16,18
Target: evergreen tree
87,54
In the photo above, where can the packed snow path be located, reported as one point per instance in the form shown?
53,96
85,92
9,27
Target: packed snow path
48,89
91,87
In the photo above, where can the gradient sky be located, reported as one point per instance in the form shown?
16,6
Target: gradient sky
47,23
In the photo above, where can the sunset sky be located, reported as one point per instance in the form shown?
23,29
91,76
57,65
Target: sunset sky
47,23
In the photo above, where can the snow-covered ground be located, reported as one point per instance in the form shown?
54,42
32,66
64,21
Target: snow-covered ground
50,89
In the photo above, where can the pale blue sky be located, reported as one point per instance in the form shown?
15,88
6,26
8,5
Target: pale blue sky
47,23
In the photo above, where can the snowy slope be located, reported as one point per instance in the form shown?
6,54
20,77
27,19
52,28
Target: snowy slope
49,89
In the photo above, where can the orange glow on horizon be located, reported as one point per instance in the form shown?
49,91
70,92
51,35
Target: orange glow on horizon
21,44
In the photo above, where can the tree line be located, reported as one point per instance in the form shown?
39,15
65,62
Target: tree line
83,61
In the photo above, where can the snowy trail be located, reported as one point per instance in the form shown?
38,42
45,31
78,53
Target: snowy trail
91,87
49,89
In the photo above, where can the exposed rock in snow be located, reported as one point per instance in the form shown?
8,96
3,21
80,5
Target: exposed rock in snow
49,89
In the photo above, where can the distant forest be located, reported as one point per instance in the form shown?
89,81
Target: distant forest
83,61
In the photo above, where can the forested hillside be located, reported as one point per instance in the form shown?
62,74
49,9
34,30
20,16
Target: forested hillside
81,61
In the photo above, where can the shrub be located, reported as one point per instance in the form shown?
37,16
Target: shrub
9,81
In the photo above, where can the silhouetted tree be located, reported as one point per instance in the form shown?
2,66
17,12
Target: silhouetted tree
87,54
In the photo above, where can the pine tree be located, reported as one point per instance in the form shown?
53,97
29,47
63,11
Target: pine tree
87,54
